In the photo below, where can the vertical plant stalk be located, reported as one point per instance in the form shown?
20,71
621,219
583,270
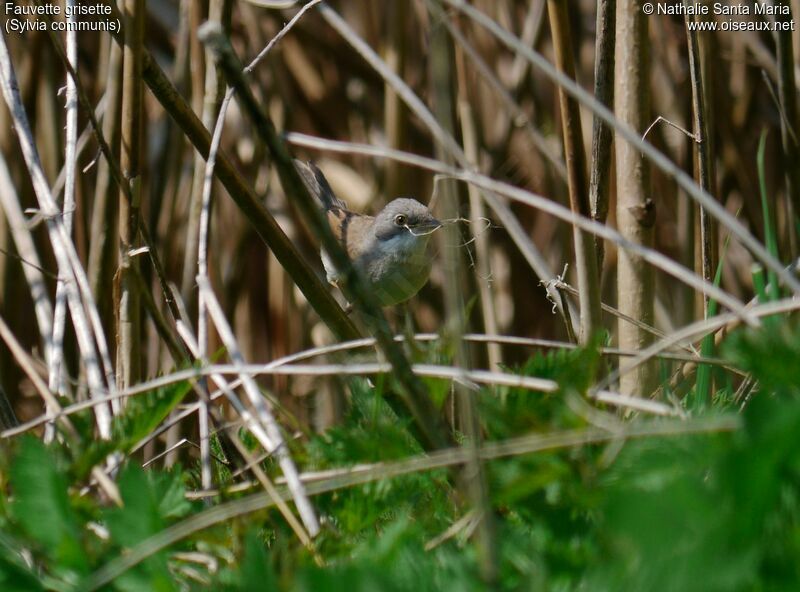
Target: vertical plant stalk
103,246
600,172
575,158
790,128
211,110
473,477
702,146
204,100
31,266
67,259
394,111
705,172
477,215
635,210
56,371
127,301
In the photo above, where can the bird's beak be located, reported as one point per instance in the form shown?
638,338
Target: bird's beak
430,224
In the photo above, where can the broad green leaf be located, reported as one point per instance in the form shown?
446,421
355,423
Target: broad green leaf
42,505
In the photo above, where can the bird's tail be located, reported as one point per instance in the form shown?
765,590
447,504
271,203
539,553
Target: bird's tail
318,185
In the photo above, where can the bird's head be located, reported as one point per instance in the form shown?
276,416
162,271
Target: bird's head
405,220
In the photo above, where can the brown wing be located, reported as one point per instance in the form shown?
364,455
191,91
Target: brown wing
350,228
318,185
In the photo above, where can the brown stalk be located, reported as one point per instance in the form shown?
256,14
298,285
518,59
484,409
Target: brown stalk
585,250
469,133
394,111
127,294
601,132
704,164
443,81
102,247
790,128
635,209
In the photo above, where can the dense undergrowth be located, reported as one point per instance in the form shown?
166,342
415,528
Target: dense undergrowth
711,511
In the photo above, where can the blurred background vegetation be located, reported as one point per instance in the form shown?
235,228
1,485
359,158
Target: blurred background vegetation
679,475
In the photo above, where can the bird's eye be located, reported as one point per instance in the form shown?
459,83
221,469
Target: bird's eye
400,220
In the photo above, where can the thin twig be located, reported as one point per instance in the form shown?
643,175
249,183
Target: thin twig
469,378
68,263
586,259
691,332
276,441
56,379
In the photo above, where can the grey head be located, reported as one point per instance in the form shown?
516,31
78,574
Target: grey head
394,254
405,217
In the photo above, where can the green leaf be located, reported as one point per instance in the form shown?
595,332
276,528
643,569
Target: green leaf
769,230
14,575
42,505
148,500
256,571
771,355
144,413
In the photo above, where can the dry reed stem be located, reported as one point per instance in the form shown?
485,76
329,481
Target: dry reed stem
472,476
575,156
694,331
57,373
600,174
284,367
276,444
70,269
51,402
126,296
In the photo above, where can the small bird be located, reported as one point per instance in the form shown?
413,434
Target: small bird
390,249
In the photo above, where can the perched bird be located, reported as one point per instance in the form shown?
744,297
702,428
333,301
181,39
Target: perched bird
390,249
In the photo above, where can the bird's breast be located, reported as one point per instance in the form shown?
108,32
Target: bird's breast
396,269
